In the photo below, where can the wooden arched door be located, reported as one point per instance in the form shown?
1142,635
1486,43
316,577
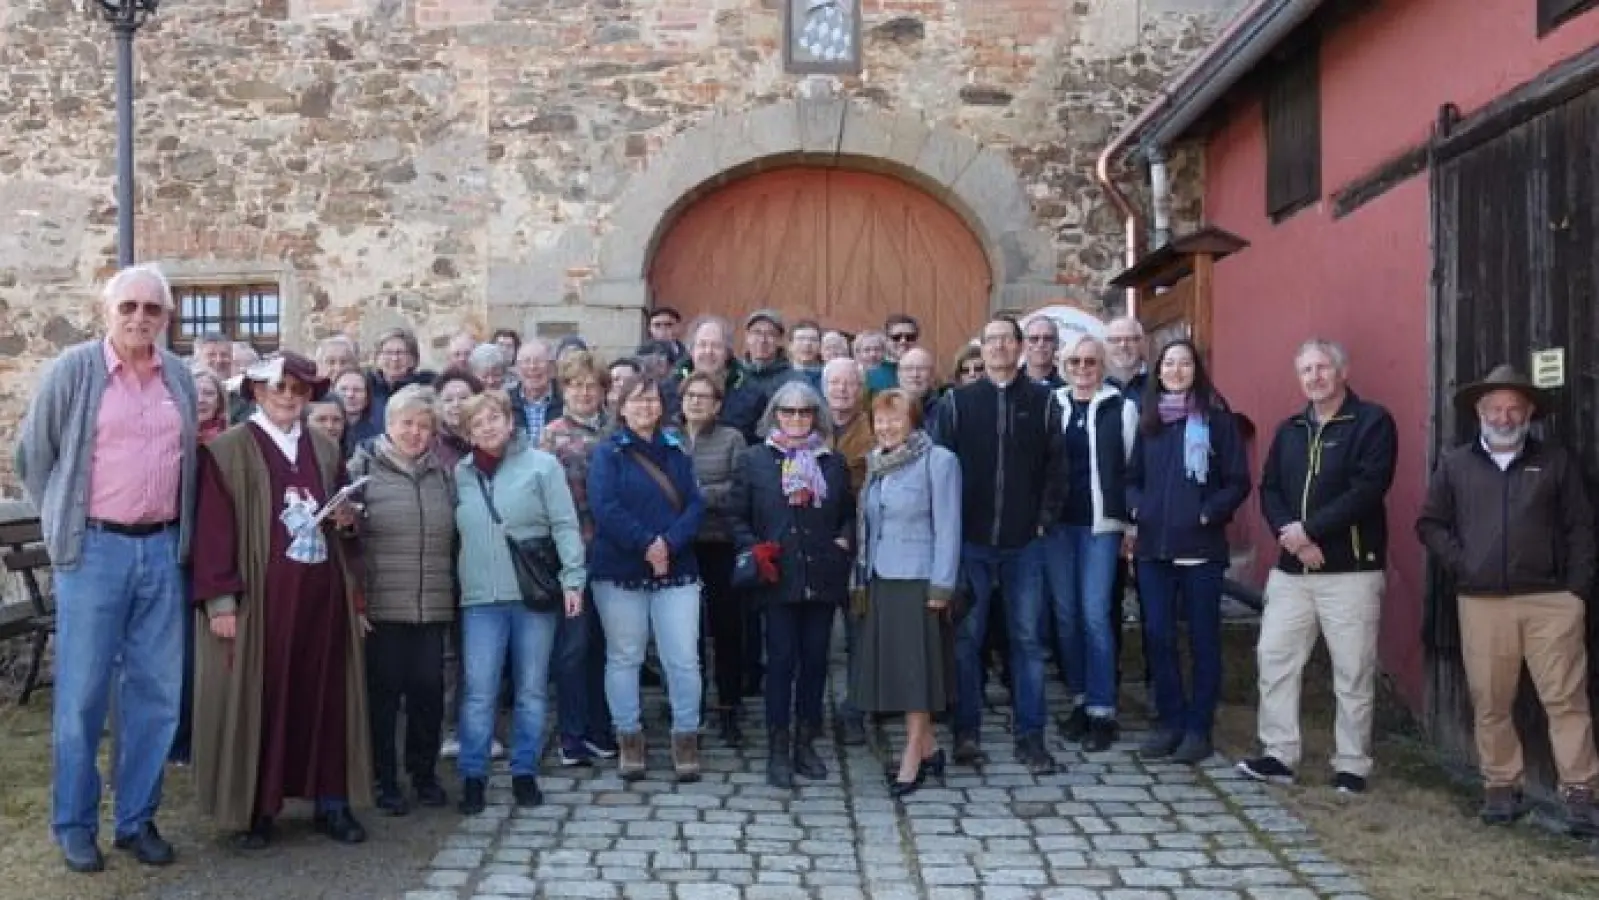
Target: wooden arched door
845,248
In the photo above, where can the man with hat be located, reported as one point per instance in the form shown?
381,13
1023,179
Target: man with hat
765,364
107,455
1507,516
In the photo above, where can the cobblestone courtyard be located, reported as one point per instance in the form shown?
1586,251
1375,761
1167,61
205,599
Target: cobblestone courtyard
1109,827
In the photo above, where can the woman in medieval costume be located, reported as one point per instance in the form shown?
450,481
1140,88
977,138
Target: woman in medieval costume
280,696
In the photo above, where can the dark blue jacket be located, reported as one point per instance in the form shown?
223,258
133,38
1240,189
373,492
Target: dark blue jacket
1178,518
814,569
379,389
631,510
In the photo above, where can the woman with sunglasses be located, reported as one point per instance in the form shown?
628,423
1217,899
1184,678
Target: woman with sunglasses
968,365
793,510
1187,477
1085,542
280,681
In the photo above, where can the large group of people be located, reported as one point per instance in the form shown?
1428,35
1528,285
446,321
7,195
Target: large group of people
344,542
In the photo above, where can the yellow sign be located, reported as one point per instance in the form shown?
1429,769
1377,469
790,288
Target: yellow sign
1549,367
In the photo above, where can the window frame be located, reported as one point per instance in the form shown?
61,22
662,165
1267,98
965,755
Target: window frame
793,65
1554,13
229,319
1291,122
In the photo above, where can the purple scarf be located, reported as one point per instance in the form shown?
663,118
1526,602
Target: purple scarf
801,471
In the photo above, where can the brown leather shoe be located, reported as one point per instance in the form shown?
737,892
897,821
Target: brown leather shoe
686,756
630,761
1501,805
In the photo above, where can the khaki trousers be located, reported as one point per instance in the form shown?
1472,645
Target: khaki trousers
1547,631
1344,608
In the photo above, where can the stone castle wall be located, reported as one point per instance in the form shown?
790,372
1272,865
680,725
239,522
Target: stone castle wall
442,163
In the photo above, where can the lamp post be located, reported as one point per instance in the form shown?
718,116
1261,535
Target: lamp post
126,17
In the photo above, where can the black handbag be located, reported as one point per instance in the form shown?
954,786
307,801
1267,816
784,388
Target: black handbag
746,573
537,562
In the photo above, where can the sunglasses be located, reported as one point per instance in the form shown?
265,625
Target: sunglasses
796,410
294,388
972,370
903,337
151,310
1085,362
1040,339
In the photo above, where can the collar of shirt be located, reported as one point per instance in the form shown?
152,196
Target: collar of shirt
288,442
113,360
1501,458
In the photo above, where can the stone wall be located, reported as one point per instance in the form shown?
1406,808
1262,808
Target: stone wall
449,163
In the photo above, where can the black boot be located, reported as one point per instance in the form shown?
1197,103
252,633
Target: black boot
779,769
472,801
806,760
727,730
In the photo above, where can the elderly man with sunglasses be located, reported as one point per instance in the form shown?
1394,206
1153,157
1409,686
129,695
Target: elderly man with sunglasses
903,333
107,455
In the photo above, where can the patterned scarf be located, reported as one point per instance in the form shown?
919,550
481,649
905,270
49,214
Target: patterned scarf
801,472
1196,433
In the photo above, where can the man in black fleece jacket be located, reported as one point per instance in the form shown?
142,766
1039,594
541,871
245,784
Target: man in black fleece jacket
1005,429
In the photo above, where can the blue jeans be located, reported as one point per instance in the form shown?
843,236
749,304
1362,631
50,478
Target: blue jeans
487,633
673,615
580,675
1020,573
1197,588
1081,568
124,601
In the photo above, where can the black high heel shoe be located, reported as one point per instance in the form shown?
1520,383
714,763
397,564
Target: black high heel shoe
934,764
899,789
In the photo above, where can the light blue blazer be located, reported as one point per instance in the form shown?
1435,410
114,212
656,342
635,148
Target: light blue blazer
913,521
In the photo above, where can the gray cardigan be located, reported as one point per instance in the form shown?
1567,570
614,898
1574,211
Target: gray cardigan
53,454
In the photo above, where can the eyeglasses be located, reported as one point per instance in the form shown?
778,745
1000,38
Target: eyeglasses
1084,362
292,387
805,411
1127,339
1040,339
903,337
972,370
699,395
151,310
999,337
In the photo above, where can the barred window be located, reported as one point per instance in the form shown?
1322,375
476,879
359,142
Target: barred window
251,313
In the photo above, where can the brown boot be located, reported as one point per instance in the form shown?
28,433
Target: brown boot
1581,819
686,756
630,762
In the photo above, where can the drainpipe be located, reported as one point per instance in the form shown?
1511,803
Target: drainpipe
1160,195
1132,225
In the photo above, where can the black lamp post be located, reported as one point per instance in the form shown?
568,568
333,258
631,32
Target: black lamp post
125,16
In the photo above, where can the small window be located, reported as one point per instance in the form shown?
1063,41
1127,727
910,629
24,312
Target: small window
1554,13
251,313
1293,134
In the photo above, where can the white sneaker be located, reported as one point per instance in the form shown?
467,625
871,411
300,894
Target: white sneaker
450,749
497,750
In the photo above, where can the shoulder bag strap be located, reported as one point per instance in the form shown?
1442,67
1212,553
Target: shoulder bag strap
488,498
659,477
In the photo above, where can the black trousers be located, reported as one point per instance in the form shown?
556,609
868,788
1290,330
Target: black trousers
405,663
725,613
797,635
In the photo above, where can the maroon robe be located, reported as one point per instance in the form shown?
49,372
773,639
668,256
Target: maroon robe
305,631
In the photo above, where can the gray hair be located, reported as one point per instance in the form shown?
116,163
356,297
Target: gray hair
840,363
868,334
336,339
1334,350
1084,337
134,276
405,336
1126,320
412,398
485,357
212,337
797,393
722,324
1054,326
535,343
244,355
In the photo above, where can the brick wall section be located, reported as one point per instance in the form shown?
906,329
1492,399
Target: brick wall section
431,161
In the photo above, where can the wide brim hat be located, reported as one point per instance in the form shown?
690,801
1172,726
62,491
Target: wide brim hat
274,368
1502,378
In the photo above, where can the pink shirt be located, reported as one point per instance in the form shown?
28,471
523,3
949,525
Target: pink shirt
136,467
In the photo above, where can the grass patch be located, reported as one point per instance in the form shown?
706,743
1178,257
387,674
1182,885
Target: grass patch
1414,835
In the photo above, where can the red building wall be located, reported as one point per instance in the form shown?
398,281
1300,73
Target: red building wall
1363,280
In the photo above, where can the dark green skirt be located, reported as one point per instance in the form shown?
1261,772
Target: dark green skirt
904,657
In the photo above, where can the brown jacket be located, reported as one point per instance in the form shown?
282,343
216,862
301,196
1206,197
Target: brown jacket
1524,530
853,443
228,674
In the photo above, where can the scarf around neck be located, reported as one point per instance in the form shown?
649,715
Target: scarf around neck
880,464
1196,433
800,468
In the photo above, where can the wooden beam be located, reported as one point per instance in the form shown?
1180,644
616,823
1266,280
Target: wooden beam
1204,269
1387,175
1558,84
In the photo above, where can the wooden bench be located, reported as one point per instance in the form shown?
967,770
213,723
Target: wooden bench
22,552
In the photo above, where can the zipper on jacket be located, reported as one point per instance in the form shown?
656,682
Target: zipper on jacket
1504,527
1002,421
421,573
1354,541
1313,469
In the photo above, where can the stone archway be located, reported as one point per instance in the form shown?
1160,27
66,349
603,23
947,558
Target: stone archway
977,182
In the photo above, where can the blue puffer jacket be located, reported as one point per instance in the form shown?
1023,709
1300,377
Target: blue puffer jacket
631,510
1177,517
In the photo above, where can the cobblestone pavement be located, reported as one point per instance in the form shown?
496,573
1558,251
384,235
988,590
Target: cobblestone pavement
1109,827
